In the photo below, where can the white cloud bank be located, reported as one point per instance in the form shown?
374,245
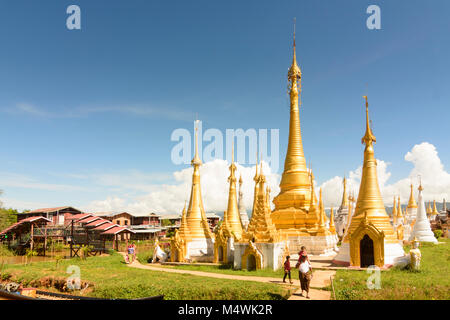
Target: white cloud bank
170,198
426,163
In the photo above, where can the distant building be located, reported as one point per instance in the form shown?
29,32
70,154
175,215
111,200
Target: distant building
173,221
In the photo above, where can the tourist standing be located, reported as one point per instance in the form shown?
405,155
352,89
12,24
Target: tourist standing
130,253
287,270
305,274
134,251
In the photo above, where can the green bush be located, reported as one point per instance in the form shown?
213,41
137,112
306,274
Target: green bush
437,233
145,257
5,252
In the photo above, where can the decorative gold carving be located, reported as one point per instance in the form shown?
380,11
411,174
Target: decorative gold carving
220,246
261,227
177,248
252,250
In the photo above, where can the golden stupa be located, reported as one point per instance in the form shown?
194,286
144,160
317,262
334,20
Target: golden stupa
344,203
394,212
370,238
332,228
194,238
261,228
292,204
399,211
231,227
412,202
434,212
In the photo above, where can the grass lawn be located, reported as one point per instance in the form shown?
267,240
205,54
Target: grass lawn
111,278
228,269
431,282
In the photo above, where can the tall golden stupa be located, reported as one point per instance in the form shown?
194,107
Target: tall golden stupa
295,213
194,240
370,239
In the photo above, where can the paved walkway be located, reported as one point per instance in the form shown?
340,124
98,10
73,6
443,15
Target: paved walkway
320,279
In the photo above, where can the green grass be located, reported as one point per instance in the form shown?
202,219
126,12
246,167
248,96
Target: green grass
431,282
113,279
228,269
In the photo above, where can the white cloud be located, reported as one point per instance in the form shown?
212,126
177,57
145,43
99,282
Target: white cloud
170,198
427,164
21,181
140,110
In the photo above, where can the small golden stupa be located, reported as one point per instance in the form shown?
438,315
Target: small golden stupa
262,245
231,228
332,227
194,239
412,202
370,239
399,212
394,212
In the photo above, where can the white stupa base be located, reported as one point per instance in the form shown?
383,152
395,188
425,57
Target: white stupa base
393,254
272,253
315,245
423,236
201,250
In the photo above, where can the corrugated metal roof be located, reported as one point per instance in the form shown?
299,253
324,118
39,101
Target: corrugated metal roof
117,230
21,222
47,210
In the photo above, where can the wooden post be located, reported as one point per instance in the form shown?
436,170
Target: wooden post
71,239
45,238
32,236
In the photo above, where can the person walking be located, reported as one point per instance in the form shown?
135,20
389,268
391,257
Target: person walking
305,274
287,270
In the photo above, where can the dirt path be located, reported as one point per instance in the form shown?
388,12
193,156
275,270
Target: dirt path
320,279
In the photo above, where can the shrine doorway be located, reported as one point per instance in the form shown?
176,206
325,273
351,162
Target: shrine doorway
366,252
251,262
220,253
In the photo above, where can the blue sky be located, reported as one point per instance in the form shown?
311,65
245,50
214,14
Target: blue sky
102,102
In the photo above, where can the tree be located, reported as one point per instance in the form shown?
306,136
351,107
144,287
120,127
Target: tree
7,217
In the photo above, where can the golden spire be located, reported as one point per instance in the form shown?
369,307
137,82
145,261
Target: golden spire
434,212
322,216
332,228
183,226
370,202
368,138
313,205
295,182
429,208
344,194
394,211
412,202
195,218
233,220
399,210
